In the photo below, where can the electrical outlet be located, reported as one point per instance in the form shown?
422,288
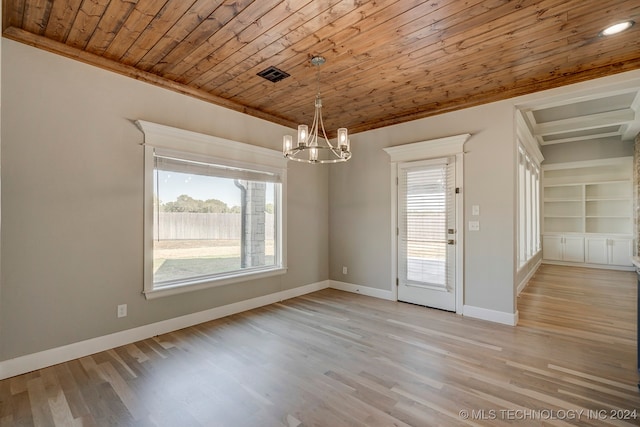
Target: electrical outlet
474,225
122,310
344,270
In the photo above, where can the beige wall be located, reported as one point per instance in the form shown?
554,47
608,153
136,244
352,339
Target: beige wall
71,243
72,192
360,208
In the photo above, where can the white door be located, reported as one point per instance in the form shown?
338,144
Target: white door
426,233
596,250
573,249
552,247
621,252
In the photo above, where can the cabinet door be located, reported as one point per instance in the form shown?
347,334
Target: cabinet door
620,251
552,248
573,249
596,250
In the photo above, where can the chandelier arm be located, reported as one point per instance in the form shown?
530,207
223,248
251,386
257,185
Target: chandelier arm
333,149
324,133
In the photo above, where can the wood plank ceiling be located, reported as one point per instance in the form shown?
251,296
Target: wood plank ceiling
388,61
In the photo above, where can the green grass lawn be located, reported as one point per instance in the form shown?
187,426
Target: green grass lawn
176,269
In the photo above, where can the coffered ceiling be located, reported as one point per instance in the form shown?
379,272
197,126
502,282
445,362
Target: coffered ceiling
612,116
388,61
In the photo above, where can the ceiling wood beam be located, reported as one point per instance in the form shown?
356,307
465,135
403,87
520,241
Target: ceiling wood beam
592,121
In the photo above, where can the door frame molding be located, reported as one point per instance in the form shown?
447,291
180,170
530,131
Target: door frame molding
424,150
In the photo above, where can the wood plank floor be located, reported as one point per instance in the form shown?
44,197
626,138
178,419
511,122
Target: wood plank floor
337,359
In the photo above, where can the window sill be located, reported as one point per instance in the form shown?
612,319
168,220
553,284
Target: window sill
210,283
524,264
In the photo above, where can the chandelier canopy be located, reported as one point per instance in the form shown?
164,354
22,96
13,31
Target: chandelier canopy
310,147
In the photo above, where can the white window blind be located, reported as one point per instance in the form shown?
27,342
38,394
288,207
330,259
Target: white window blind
169,163
426,214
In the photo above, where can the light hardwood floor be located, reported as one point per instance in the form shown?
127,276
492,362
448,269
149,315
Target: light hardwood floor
337,359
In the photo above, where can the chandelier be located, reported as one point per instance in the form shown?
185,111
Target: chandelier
310,147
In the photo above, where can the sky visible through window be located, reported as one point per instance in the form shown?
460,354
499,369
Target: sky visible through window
201,187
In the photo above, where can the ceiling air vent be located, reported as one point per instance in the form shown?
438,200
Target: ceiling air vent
273,74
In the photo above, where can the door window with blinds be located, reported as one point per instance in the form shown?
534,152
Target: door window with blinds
213,221
426,223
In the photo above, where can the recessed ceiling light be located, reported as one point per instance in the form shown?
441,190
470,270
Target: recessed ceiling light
617,28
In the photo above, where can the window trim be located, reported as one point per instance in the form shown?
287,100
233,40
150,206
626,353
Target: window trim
528,203
529,156
211,149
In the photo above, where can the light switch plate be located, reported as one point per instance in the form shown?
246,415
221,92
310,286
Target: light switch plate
474,225
475,210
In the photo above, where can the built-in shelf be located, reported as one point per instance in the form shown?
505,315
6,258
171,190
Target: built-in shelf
592,172
605,199
589,197
591,201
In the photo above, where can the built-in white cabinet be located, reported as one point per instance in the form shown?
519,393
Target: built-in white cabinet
609,251
591,202
563,248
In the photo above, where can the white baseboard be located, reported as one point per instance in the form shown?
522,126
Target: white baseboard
586,265
42,359
363,290
510,319
528,277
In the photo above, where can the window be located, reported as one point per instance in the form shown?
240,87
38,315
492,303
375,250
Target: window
528,207
209,220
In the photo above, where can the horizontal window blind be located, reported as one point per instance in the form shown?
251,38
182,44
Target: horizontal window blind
167,163
426,210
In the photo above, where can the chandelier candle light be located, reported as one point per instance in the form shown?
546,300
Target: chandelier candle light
310,148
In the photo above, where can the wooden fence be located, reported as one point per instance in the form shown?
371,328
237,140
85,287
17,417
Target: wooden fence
206,226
